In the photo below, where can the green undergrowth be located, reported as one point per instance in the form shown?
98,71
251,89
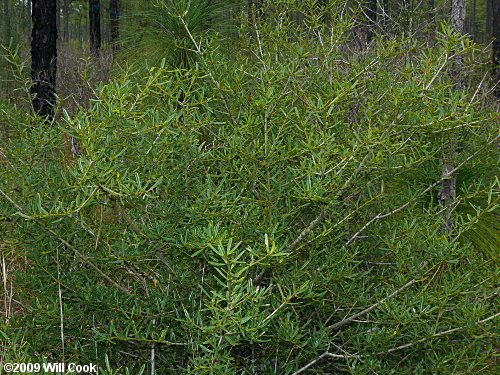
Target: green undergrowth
257,213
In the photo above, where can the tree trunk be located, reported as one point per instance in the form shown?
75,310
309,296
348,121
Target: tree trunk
431,19
58,12
44,57
66,19
28,15
458,23
495,31
489,20
6,21
432,13
95,26
473,30
446,195
114,22
78,30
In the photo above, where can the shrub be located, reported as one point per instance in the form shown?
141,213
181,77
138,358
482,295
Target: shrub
269,212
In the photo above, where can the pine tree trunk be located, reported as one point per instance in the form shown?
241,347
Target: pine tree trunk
431,18
495,31
6,16
489,20
446,195
44,57
66,19
95,26
473,30
28,15
114,20
58,16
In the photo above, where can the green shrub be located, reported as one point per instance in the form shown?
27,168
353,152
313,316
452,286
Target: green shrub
257,213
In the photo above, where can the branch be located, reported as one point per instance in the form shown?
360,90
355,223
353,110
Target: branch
382,215
372,307
348,356
68,245
312,225
442,333
86,260
324,355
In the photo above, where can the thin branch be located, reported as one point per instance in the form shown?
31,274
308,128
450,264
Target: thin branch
68,245
324,355
381,215
312,225
442,333
11,201
61,309
372,307
87,260
348,356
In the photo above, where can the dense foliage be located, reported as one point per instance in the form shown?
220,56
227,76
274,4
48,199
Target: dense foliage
268,207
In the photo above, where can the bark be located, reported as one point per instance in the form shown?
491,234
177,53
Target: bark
489,19
114,21
28,14
446,195
458,23
473,20
495,31
6,16
95,26
431,18
66,19
58,12
44,57
78,28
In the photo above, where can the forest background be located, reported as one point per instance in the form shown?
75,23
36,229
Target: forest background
250,187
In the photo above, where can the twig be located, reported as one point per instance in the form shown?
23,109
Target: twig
86,260
11,201
442,333
382,215
61,310
312,225
324,355
153,372
68,245
372,307
6,291
347,355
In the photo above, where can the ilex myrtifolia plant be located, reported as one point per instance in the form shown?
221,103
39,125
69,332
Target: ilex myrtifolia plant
271,211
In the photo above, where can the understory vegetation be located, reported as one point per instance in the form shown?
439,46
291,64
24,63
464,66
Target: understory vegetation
258,203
